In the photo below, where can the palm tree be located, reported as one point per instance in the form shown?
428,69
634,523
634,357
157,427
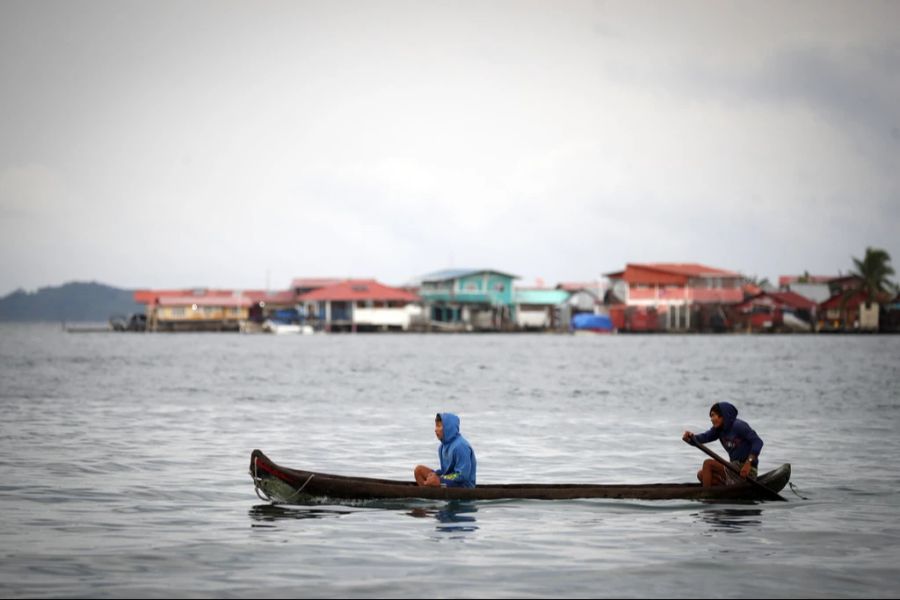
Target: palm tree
873,272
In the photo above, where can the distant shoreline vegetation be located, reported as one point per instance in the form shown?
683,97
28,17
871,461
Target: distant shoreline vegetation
74,301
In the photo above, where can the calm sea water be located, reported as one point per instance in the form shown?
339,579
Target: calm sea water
125,461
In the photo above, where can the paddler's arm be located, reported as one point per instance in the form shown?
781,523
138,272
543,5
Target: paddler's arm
745,470
756,444
703,438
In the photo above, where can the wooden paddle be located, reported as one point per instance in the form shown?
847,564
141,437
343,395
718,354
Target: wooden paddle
770,494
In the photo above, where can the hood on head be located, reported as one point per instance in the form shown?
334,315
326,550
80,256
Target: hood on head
451,426
729,414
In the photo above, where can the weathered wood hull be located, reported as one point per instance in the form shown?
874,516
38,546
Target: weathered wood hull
294,486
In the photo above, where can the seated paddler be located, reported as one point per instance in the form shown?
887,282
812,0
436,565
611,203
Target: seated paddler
738,438
456,456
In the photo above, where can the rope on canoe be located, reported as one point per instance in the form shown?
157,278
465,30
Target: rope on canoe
256,481
794,489
297,493
268,498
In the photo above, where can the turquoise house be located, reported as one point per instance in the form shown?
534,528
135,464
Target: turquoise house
469,299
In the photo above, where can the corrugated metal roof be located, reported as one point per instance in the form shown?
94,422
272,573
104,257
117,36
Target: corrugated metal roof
679,269
795,300
687,269
280,297
457,273
314,282
574,286
151,296
850,299
358,289
817,292
842,300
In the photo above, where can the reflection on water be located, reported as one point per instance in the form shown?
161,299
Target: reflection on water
452,518
264,515
730,520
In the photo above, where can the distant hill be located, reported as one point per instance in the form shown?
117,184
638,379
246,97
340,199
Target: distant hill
76,301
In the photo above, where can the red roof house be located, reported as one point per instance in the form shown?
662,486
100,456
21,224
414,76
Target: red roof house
356,290
775,311
362,304
670,293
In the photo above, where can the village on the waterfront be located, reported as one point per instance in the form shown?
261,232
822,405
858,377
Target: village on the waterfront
640,298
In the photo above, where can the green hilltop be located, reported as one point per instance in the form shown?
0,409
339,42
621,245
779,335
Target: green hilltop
75,301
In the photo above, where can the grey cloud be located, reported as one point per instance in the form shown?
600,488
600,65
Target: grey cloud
395,139
859,86
855,87
857,90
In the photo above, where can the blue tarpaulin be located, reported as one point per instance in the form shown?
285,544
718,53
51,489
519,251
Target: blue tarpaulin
286,315
591,322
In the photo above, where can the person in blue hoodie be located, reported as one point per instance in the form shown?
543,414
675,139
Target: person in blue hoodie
738,438
457,457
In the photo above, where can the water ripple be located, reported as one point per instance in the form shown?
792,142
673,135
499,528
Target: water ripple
126,464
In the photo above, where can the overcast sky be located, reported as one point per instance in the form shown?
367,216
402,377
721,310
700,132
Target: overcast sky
235,144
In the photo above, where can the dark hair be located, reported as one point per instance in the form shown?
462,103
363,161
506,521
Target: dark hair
437,418
716,409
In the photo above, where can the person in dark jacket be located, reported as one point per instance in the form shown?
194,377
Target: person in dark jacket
738,438
457,457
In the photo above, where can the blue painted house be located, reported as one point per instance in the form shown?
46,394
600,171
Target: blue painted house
469,299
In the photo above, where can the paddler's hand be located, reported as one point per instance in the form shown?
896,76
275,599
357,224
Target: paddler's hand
688,436
745,470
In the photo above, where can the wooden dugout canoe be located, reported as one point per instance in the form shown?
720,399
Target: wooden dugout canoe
295,486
